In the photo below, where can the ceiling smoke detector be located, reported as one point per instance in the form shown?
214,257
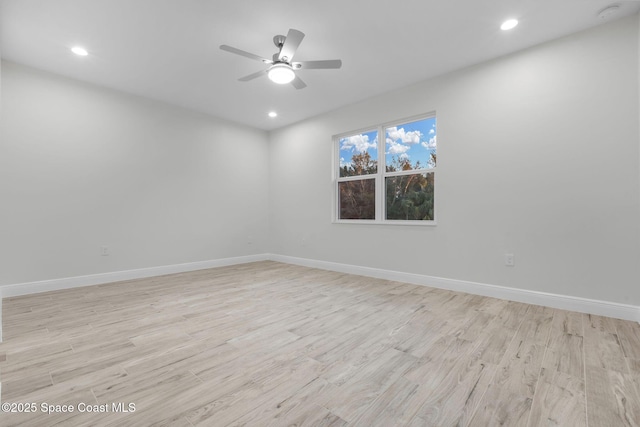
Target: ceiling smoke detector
608,12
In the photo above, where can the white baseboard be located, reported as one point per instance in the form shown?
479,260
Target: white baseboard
8,291
564,302
583,305
28,288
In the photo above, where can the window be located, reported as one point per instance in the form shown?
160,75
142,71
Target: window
387,180
357,176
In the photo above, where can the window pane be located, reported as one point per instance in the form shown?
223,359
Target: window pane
411,146
357,199
359,154
410,197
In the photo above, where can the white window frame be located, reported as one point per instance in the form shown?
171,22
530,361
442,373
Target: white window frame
379,177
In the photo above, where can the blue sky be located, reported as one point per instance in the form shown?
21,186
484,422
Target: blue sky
414,141
356,144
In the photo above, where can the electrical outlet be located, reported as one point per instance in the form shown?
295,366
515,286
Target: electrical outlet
509,260
249,240
104,250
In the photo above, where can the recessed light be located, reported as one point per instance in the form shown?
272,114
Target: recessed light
80,51
273,114
509,24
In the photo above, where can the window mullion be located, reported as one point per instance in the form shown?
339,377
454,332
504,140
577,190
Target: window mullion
380,194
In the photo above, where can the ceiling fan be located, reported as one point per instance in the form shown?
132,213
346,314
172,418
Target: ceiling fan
282,69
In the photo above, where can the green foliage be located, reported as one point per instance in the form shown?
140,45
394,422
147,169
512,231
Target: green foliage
409,197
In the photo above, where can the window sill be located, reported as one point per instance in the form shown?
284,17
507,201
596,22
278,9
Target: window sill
376,222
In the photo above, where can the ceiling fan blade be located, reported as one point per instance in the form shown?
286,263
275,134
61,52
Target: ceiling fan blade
311,65
291,43
253,76
245,54
298,83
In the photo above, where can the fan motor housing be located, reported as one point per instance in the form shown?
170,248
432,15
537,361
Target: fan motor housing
279,40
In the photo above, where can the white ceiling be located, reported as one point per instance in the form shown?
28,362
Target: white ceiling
169,49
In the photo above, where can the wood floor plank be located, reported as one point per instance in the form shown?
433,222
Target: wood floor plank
389,407
350,399
274,344
634,368
559,401
513,410
629,335
259,390
565,354
450,396
537,324
569,322
295,405
311,416
611,398
24,384
510,394
603,348
53,395
636,382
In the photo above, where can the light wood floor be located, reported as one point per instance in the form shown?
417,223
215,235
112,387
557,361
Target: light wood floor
270,344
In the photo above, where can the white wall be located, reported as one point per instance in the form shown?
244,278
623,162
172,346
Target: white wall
82,167
538,155
1,125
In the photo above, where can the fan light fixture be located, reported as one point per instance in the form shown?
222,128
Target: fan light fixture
281,68
281,73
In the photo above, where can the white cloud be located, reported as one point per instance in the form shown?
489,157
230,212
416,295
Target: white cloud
344,163
404,156
395,148
412,137
357,143
431,144
432,131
